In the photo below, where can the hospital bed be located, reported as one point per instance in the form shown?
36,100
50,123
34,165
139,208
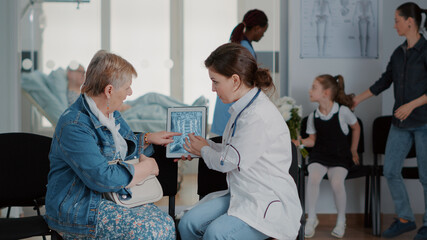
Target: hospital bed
48,93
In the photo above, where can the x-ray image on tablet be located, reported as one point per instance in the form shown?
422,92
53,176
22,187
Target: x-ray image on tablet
184,120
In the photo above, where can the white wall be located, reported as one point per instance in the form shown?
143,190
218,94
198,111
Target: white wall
10,92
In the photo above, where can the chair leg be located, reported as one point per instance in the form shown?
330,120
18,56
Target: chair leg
36,207
379,204
55,236
301,229
376,203
367,221
8,212
301,190
172,207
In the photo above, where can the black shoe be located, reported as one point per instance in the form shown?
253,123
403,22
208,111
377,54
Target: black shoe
422,234
398,227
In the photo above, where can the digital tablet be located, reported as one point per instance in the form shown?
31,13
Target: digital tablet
184,120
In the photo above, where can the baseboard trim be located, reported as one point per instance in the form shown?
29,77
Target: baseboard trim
352,219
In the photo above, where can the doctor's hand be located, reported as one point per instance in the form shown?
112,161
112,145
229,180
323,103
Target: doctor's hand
184,158
194,144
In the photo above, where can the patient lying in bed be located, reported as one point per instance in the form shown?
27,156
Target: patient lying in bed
52,93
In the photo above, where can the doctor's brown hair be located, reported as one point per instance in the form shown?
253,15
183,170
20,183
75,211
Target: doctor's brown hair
106,68
233,58
336,84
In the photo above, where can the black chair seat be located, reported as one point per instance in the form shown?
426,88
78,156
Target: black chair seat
359,171
407,172
410,173
17,228
23,179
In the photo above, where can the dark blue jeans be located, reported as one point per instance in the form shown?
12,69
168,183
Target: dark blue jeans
399,143
209,220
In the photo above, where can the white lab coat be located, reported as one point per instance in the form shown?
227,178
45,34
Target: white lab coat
263,194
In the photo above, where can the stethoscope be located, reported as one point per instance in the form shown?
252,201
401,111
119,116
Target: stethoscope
233,126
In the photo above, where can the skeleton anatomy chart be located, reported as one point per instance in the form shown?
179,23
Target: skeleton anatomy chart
339,29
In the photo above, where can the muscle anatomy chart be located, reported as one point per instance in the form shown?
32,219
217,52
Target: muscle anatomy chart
339,28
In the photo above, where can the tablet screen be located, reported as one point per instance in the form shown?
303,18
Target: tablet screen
184,120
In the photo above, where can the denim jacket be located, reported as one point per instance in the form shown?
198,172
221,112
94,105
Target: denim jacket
407,70
79,171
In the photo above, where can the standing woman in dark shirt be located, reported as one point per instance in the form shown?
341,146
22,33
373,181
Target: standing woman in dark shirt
407,70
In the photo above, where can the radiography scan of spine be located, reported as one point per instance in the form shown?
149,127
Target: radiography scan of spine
322,13
344,8
185,123
364,15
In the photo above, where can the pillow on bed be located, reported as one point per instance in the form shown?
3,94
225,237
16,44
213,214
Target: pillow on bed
34,84
57,83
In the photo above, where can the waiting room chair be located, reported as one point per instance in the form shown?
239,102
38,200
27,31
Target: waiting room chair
23,174
211,181
355,172
23,178
168,176
380,130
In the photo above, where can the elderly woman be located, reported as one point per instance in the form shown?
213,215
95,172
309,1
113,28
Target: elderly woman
88,135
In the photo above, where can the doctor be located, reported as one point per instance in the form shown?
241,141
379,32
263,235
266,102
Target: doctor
261,200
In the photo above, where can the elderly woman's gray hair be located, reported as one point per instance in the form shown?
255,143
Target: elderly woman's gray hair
106,68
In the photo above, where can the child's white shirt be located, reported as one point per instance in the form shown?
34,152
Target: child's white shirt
346,117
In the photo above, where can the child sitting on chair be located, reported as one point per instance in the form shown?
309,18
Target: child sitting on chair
328,129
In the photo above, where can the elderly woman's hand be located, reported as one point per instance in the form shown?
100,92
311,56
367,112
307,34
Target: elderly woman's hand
146,166
161,138
194,144
149,164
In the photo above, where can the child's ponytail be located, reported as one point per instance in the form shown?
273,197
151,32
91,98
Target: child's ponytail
341,97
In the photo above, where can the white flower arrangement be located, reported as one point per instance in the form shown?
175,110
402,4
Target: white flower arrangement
286,105
292,114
